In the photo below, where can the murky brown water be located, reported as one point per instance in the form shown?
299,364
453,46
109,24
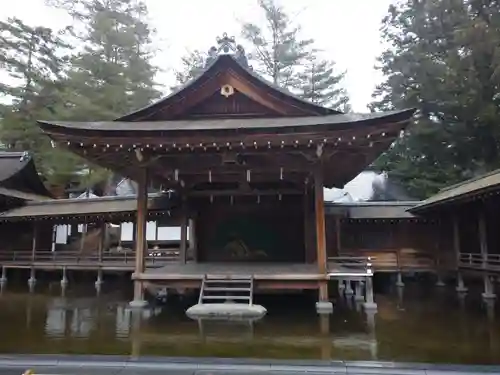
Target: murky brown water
424,326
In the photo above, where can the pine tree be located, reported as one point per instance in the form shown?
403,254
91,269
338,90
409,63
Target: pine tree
35,59
112,75
192,65
320,84
278,51
443,59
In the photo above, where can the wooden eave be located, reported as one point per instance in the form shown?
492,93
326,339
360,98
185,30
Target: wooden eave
226,70
92,209
18,173
372,210
466,191
350,142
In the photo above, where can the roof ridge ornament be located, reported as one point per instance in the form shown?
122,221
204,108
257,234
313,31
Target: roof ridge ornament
227,46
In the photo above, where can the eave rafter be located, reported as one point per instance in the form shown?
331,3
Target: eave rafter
266,153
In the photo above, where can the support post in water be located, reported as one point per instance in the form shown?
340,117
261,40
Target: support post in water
399,280
98,282
369,302
358,296
489,290
64,279
32,280
348,288
3,279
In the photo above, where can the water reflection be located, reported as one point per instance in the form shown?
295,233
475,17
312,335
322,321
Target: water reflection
432,327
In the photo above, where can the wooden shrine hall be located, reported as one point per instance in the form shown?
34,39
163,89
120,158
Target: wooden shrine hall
249,162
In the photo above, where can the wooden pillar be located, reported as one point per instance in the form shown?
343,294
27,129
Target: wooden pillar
84,234
102,240
140,243
456,240
319,204
483,238
307,234
192,238
33,246
338,237
184,221
456,247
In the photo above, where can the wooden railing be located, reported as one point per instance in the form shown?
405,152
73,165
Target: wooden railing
67,258
352,264
392,260
475,260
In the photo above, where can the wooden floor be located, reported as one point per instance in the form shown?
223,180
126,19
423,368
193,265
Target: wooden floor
259,271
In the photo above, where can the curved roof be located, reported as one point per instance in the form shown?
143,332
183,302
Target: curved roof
220,65
283,124
76,208
18,173
461,192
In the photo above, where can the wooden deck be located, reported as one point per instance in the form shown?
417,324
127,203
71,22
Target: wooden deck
285,272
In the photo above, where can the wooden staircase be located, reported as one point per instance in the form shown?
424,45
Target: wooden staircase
230,288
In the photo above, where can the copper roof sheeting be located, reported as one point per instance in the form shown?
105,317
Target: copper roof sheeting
340,121
59,208
472,187
372,210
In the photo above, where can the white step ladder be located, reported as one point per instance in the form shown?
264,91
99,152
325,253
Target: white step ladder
230,288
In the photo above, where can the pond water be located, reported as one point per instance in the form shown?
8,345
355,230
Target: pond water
423,325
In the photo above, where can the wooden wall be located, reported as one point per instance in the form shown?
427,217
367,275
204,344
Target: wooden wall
393,243
19,236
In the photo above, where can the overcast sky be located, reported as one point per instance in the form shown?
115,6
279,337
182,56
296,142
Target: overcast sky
346,30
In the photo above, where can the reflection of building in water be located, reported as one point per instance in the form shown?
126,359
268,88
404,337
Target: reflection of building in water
122,321
55,325
64,319
82,322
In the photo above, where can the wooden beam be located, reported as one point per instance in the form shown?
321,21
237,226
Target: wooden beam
225,193
183,249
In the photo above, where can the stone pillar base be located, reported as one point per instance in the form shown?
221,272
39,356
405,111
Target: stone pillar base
489,295
461,289
324,307
440,283
372,306
138,304
359,298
